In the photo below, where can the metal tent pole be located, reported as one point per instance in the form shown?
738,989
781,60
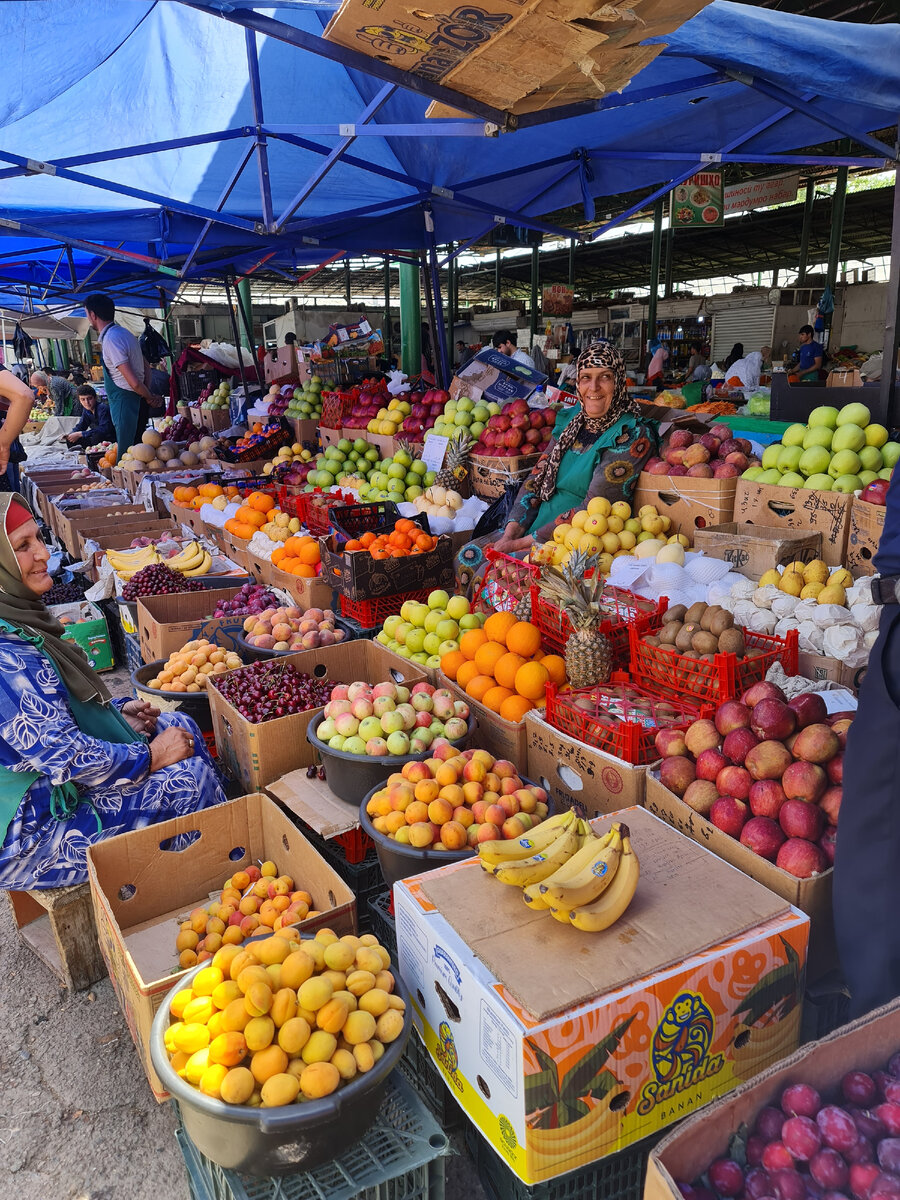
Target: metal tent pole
451,306
571,262
436,318
837,225
234,334
497,279
245,306
808,202
670,256
535,281
387,330
888,397
654,267
347,287
410,318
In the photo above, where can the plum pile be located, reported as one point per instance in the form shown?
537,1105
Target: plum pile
848,1149
266,690
158,580
252,598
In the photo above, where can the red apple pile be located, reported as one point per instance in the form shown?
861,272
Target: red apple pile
365,403
848,1148
425,408
517,430
767,771
714,455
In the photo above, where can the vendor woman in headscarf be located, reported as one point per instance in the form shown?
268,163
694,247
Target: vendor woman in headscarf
599,447
75,766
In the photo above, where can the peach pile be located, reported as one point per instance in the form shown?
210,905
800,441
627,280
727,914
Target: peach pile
292,629
456,802
285,1020
252,901
189,669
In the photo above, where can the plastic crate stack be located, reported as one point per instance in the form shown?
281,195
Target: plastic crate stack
625,611
353,856
400,1158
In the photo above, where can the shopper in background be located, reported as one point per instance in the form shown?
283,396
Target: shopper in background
737,351
463,354
659,358
61,392
125,372
503,341
697,369
866,879
95,424
746,371
810,357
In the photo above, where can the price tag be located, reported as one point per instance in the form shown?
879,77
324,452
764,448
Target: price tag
434,452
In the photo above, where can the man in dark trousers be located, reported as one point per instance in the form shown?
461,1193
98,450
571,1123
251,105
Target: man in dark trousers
867,851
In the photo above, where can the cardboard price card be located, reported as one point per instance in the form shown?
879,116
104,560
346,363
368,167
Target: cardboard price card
698,202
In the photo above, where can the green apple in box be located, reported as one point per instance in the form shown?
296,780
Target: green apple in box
823,415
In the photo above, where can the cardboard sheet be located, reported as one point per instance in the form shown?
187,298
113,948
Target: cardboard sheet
315,803
670,918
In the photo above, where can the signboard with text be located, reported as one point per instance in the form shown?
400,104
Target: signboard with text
698,202
759,193
557,300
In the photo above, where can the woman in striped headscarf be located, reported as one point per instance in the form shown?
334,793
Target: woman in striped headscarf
599,447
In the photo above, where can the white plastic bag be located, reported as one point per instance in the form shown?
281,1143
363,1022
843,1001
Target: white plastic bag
784,626
806,610
866,616
762,621
743,611
828,615
743,589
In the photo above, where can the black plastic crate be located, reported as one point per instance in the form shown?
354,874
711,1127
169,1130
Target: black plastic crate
400,1158
420,1069
826,1007
379,516
363,878
381,916
132,644
357,631
615,1177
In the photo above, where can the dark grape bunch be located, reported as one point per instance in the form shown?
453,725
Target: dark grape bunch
159,580
252,598
848,1149
266,690
64,593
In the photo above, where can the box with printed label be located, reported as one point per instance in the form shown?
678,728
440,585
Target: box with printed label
165,623
86,625
576,774
689,504
863,536
797,508
564,1046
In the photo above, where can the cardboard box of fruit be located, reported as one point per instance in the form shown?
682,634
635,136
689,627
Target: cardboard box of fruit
359,576
165,623
797,508
563,1053
826,1091
577,774
255,750
863,535
754,551
141,890
761,786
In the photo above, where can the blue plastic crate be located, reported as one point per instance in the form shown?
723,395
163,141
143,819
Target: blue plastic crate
133,659
198,1184
400,1158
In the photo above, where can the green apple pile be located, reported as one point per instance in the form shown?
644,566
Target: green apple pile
425,631
837,450
360,466
306,401
218,398
471,415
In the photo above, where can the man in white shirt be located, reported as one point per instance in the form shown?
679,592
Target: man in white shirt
503,341
125,373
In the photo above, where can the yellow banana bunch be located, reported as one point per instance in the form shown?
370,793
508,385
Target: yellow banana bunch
128,562
525,871
535,895
594,873
600,914
193,560
495,854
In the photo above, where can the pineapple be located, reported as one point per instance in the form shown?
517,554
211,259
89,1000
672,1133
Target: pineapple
455,471
588,653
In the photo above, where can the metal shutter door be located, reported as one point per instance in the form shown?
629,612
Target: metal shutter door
753,327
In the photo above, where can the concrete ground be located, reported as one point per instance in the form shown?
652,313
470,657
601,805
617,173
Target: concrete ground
77,1118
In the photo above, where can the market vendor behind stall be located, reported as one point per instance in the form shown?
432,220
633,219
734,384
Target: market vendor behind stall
95,424
125,372
75,766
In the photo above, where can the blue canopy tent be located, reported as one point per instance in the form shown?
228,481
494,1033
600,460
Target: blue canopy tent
186,139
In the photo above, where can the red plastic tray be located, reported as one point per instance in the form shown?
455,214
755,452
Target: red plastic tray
620,719
373,612
355,843
725,678
625,609
316,517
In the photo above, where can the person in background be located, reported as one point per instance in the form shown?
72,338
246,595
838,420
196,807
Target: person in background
20,371
737,351
61,392
659,358
866,880
125,372
76,376
810,357
503,341
95,424
16,401
463,354
745,372
697,368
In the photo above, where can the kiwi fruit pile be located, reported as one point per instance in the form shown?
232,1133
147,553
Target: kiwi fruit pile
701,632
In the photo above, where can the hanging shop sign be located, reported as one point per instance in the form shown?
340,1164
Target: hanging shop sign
760,193
558,300
698,202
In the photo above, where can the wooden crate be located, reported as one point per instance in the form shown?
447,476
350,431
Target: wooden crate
58,924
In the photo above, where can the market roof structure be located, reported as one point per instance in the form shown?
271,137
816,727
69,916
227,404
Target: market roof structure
214,138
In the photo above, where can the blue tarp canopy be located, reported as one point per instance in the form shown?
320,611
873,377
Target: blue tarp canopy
188,144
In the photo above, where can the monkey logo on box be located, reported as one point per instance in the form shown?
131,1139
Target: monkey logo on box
679,1050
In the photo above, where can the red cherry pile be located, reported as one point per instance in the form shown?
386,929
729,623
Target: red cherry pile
849,1148
266,690
767,771
252,598
158,580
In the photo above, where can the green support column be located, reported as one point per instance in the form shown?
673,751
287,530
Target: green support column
388,330
64,354
88,349
410,318
535,290
808,201
243,290
655,249
51,354
837,225
451,306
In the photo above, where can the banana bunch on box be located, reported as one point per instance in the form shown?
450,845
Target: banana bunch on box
562,866
128,562
193,560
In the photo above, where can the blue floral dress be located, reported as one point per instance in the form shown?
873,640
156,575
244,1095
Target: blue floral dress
39,733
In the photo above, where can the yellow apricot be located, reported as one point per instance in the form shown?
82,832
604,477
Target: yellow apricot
331,1016
360,1027
360,982
259,1033
206,981
180,1001
365,1059
253,974
258,999
375,1002
235,1017
223,995
237,1086
345,1063
319,1079
279,1090
200,1009
389,1025
196,1065
296,969
338,956
319,1047
212,1079
266,1063
315,993
293,1035
191,1038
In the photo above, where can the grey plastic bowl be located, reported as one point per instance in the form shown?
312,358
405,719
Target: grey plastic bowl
398,861
350,776
192,704
276,1141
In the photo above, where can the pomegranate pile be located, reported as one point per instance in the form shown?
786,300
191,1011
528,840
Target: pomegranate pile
767,771
848,1149
266,690
158,580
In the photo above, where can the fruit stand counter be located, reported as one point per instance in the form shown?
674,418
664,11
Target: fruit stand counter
757,429
563,1045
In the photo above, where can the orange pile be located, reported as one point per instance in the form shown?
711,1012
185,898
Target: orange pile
502,666
298,556
252,515
110,457
404,539
196,497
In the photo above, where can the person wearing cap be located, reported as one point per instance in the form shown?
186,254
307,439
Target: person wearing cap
76,766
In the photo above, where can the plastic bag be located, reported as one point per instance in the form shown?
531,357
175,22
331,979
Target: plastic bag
743,611
806,610
829,615
153,345
762,621
497,514
866,616
784,626
743,589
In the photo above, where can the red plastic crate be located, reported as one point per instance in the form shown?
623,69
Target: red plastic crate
620,719
355,843
625,610
333,409
370,613
315,517
506,582
725,678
